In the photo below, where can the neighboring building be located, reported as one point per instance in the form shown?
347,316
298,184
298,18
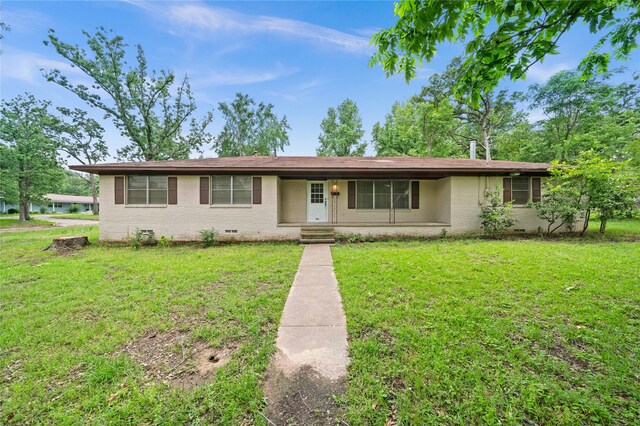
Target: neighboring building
262,198
58,203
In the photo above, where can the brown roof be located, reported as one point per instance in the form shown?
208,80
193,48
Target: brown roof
321,166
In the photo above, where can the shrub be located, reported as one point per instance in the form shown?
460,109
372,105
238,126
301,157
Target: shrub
13,211
135,239
74,208
165,242
443,233
43,209
208,237
496,217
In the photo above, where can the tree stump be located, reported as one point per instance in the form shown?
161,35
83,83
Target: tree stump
68,243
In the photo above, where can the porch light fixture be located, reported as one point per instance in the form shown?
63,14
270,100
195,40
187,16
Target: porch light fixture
334,189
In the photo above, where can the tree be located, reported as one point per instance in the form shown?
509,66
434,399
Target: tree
145,106
600,185
562,201
508,36
568,102
73,183
81,138
29,154
416,128
251,128
341,132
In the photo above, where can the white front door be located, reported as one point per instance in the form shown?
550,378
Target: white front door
317,201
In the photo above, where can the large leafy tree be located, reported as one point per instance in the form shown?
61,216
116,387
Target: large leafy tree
506,37
341,132
599,185
422,129
82,138
250,128
573,109
28,155
150,108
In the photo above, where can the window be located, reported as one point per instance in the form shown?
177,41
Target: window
231,190
147,189
520,190
382,194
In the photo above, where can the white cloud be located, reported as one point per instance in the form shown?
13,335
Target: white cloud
25,21
197,16
25,66
541,72
241,77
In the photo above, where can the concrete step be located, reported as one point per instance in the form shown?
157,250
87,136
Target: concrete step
317,240
317,234
316,228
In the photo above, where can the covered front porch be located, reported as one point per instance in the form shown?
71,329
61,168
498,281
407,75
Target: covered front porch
364,203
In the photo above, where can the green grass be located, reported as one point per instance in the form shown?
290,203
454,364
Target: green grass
492,332
616,228
65,320
83,216
15,223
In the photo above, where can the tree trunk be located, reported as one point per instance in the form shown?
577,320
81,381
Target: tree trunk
585,225
94,193
603,225
486,143
24,212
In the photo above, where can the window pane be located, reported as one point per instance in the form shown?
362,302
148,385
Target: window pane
157,196
382,194
242,182
520,184
520,197
136,196
221,190
221,197
401,194
137,182
158,182
221,182
317,193
520,190
242,196
364,191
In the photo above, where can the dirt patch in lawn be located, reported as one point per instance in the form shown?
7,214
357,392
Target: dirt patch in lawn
172,357
304,398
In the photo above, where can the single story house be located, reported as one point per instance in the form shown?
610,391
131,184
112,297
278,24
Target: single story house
56,203
264,198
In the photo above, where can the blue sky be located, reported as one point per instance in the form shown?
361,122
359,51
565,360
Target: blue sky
303,57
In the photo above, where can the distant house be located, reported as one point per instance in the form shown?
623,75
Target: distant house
262,198
57,203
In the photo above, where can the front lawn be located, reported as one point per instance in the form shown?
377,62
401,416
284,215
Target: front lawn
15,223
83,216
111,335
492,332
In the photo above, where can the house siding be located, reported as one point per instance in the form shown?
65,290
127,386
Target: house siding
453,203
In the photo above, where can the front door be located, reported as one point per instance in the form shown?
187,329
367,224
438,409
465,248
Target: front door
316,201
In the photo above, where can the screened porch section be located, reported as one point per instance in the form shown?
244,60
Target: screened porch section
365,202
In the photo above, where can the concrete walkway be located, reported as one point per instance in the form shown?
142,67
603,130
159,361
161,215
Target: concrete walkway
311,362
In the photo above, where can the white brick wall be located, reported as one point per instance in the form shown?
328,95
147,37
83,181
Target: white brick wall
260,222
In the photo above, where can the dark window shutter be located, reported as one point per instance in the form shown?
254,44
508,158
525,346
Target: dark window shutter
257,190
173,190
506,190
351,194
204,190
119,189
535,189
415,194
